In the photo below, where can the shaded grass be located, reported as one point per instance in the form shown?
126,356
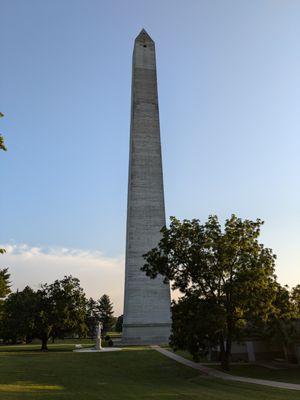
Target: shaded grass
139,374
288,374
291,375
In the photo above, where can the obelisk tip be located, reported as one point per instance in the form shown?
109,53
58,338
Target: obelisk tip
143,36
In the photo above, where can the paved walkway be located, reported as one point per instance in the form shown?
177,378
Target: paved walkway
219,374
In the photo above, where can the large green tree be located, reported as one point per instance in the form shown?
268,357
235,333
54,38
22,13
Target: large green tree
105,308
60,310
227,270
55,310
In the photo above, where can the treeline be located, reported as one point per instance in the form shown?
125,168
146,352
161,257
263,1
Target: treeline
56,310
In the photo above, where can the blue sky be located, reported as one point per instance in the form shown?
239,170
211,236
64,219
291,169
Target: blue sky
229,92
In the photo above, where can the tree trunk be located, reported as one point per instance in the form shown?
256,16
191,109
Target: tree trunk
44,344
285,352
225,354
222,353
225,361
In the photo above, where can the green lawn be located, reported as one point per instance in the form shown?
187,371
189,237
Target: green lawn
57,347
291,375
137,374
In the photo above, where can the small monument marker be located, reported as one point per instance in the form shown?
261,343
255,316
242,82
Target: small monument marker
98,336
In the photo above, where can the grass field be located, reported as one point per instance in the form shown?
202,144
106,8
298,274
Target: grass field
137,373
291,375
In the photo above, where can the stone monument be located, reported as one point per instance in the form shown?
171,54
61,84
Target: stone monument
98,337
147,301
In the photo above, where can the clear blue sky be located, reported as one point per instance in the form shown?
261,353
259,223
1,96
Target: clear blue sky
229,91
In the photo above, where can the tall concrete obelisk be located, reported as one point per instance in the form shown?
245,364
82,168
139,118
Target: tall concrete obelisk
147,301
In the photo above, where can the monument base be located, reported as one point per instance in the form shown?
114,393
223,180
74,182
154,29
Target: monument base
145,334
94,350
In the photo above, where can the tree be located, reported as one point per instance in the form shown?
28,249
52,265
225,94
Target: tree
295,298
105,308
18,316
52,311
2,145
119,324
196,324
3,273
227,270
92,317
60,309
4,283
281,325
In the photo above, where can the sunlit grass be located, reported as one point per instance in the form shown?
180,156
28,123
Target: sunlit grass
27,387
37,347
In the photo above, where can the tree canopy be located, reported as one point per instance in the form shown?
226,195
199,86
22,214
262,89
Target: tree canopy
281,326
4,283
55,310
92,316
119,324
105,308
226,271
2,145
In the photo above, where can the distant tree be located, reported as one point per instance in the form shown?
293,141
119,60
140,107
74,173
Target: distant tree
60,310
227,270
53,311
4,286
105,308
18,317
92,317
119,324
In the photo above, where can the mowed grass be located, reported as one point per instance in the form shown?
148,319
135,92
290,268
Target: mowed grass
36,347
130,374
284,374
291,375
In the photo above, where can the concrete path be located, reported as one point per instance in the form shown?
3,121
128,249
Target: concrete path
222,375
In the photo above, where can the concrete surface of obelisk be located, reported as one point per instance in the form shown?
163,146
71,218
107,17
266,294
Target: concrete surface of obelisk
147,301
